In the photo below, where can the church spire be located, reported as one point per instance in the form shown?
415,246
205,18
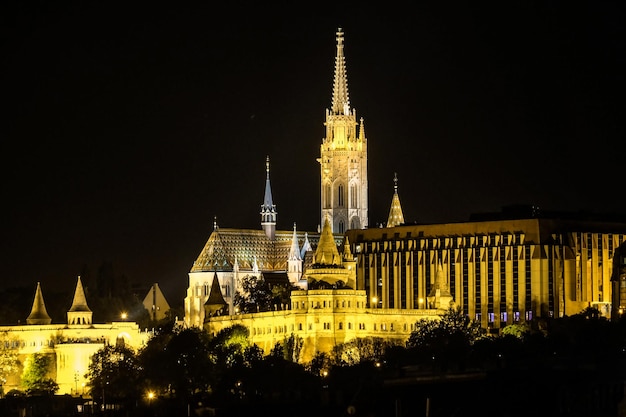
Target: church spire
294,261
38,314
294,252
341,100
396,217
306,246
79,312
343,157
268,209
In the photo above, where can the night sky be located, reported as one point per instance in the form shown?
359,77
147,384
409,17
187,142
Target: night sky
128,128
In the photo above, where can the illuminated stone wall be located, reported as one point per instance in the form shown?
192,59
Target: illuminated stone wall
71,348
324,319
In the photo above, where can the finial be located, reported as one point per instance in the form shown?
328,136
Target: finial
294,226
267,166
215,223
395,182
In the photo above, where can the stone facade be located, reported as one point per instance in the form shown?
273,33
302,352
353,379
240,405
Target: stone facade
70,345
500,271
343,157
324,319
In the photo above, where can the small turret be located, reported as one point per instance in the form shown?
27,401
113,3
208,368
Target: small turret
306,246
329,270
38,314
294,261
396,218
79,313
326,252
215,305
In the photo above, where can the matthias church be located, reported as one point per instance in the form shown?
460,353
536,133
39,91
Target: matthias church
502,268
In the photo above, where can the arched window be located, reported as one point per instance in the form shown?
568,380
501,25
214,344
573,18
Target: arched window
341,226
327,196
353,196
340,199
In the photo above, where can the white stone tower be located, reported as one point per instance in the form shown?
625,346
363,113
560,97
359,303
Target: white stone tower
343,158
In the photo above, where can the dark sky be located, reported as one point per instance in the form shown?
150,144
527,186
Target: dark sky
128,128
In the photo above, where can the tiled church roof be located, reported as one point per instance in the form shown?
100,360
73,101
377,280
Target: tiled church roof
247,246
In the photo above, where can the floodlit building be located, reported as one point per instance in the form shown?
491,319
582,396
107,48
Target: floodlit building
330,312
500,269
232,254
503,268
343,157
235,253
70,345
328,309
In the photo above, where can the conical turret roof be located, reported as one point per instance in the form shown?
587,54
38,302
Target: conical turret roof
215,303
306,246
294,252
326,252
396,217
38,314
80,301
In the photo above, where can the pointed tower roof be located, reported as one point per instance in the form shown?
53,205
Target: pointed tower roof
215,303
268,204
268,209
38,314
396,217
294,252
341,101
306,246
255,266
155,303
347,253
326,252
80,301
79,313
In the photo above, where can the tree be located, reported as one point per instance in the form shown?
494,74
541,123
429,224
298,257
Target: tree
320,364
35,377
177,362
9,362
255,295
447,338
289,349
452,327
518,330
360,350
114,375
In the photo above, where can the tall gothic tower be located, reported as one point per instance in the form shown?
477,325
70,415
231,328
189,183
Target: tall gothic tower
343,158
